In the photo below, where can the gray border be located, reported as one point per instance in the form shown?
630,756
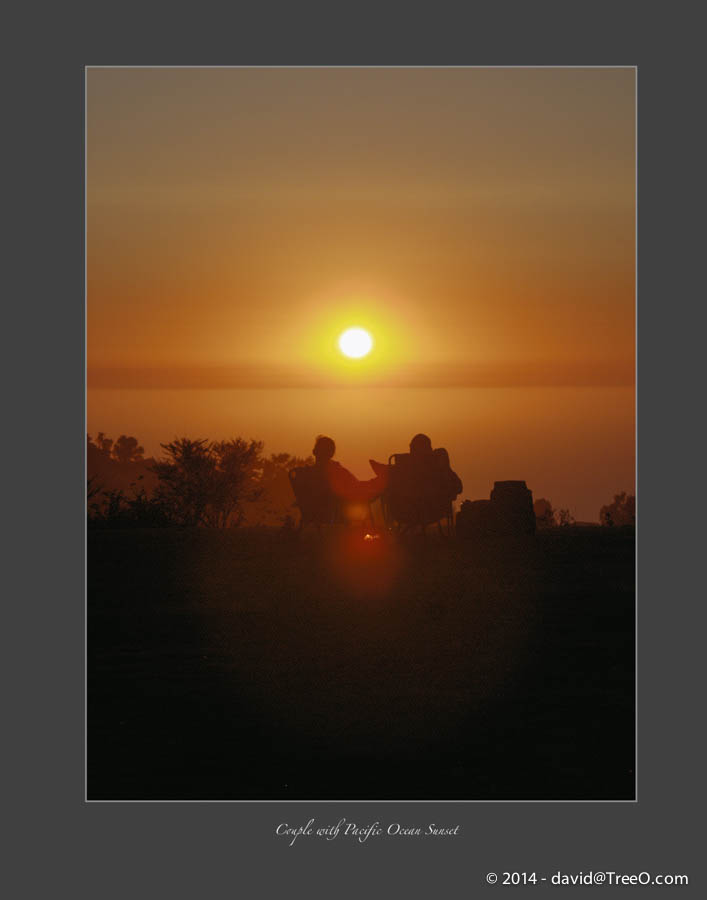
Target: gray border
160,850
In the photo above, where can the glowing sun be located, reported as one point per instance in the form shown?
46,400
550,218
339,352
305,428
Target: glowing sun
355,343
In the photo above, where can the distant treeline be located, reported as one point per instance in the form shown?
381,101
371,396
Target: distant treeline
217,484
223,484
619,513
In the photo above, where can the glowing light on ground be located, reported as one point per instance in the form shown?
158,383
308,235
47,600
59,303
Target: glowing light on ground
355,343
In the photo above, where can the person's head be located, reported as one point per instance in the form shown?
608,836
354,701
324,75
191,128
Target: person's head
420,445
324,448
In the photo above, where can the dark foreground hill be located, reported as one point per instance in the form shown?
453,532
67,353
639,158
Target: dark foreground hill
242,665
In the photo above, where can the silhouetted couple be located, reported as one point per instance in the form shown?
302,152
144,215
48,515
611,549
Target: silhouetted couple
423,464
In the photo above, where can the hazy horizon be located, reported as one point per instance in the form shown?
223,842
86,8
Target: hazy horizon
492,434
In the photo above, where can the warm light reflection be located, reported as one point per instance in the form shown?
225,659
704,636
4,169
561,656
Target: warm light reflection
356,512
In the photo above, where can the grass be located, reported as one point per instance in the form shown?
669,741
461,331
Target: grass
243,665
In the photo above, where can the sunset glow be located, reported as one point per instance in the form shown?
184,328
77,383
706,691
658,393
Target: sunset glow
455,249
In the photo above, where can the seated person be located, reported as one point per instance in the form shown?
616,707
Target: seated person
424,475
421,452
433,466
342,483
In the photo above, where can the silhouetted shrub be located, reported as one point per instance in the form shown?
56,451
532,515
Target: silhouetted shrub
563,518
215,484
113,509
126,450
622,511
544,513
203,483
547,517
118,465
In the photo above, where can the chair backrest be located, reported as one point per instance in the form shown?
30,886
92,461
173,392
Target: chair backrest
419,490
313,495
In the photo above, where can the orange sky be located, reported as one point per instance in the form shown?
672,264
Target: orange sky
476,218
479,222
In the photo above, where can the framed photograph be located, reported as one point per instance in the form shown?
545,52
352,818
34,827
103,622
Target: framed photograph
361,433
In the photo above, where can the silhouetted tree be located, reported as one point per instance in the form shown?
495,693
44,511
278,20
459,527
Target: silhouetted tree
115,506
197,482
234,480
544,513
119,465
92,488
564,518
204,483
93,451
148,511
186,479
115,510
622,511
547,517
126,449
93,503
103,443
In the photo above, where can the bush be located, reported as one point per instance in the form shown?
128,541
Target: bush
203,483
621,512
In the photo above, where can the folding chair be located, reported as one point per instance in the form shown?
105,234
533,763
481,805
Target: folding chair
317,504
417,495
